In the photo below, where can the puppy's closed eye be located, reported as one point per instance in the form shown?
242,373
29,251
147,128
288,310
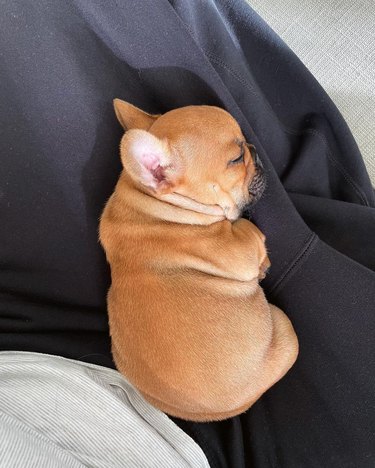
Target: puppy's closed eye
238,160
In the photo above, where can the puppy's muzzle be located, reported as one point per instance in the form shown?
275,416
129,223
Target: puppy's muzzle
258,183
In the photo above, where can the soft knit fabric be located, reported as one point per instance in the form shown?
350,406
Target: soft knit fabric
56,412
62,63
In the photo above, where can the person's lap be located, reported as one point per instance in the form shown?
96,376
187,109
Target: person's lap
60,162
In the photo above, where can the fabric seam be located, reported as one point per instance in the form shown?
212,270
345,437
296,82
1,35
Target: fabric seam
300,258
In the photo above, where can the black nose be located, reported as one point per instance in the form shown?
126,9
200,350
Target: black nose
258,162
254,155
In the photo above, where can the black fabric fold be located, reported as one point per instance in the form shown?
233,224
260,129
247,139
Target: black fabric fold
62,64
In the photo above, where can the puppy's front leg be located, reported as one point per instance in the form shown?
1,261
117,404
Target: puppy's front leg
257,239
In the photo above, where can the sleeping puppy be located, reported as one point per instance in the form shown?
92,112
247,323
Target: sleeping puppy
190,325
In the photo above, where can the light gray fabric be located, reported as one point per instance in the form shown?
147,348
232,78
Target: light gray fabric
335,39
55,412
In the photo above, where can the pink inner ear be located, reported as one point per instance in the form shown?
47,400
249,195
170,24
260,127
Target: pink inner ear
159,174
147,151
151,162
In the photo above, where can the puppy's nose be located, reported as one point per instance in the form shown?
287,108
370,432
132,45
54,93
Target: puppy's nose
255,156
258,162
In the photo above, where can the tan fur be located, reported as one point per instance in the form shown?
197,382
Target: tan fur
190,326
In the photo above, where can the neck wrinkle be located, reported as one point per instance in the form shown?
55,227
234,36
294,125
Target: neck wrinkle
146,204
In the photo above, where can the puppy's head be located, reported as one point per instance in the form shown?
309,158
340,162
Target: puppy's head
195,157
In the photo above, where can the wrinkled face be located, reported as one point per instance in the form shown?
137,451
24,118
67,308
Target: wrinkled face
202,156
219,168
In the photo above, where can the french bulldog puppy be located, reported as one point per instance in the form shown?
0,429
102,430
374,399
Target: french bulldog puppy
190,326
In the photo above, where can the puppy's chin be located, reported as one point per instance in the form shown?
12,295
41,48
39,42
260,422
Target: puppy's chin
232,213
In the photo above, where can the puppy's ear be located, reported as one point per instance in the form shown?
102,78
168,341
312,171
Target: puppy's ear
149,160
130,116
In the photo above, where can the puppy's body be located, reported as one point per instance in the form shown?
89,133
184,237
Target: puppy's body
190,326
